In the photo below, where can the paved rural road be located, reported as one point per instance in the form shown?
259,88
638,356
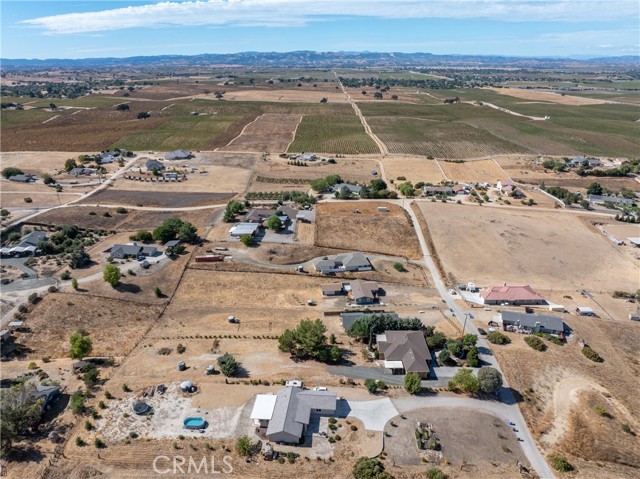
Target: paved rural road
509,404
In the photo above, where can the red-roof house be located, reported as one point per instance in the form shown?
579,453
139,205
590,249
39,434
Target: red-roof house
511,295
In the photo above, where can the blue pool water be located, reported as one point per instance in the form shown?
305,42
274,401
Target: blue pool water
194,423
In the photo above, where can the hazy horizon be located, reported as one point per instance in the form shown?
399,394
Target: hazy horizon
126,28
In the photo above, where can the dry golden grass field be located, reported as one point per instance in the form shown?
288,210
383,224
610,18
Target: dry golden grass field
351,168
271,132
523,168
287,95
545,250
414,169
114,325
391,233
546,96
473,171
134,220
561,389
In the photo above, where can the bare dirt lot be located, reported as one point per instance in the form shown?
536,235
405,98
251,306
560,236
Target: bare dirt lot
264,303
480,171
337,226
562,388
504,246
37,162
467,438
113,196
414,169
115,326
134,220
351,168
525,169
547,96
288,95
270,132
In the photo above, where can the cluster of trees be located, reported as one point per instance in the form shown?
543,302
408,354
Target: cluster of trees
555,165
407,189
20,413
53,90
11,171
123,107
622,170
233,208
562,193
366,327
465,349
143,115
488,380
308,340
69,240
377,189
323,184
386,84
175,228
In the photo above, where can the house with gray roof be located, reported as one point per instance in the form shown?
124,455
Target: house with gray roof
178,155
82,171
287,416
354,189
618,200
404,352
22,178
363,292
132,250
343,262
33,238
151,164
242,229
533,323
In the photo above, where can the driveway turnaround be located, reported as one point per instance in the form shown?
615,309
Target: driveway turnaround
373,414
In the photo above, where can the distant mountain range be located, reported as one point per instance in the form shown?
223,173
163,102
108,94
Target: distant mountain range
307,59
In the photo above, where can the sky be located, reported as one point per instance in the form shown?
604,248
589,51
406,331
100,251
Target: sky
123,28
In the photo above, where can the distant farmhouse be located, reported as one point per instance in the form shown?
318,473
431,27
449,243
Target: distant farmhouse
533,323
23,178
132,250
242,229
258,215
82,171
511,295
437,190
343,262
178,155
404,352
618,200
287,414
582,161
154,164
360,292
108,157
353,189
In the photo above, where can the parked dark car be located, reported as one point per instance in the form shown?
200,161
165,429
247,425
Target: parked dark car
482,332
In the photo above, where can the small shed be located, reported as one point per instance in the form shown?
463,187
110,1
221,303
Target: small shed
584,311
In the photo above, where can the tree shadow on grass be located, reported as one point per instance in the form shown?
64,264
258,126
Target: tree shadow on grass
128,288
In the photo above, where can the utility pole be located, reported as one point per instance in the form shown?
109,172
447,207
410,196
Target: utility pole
466,316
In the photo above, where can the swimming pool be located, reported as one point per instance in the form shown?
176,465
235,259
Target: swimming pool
194,423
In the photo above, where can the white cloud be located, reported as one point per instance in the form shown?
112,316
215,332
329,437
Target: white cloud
286,13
